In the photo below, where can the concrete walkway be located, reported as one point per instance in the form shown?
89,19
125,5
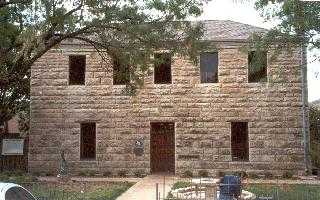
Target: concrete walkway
146,188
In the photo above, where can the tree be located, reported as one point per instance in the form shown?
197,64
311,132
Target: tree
314,115
126,29
298,22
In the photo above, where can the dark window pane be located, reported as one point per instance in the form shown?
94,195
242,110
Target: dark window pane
257,66
162,68
88,141
239,141
17,193
77,69
121,75
209,67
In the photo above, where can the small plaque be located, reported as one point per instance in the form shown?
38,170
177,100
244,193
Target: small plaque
12,146
138,148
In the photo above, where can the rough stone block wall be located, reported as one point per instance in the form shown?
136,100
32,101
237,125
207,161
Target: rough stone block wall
202,114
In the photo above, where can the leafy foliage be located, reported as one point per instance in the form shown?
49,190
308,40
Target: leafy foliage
297,26
287,175
203,173
299,22
314,114
181,184
123,29
122,173
24,120
187,174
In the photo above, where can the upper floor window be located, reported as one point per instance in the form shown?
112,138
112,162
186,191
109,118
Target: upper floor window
162,68
121,75
88,141
77,69
209,67
257,61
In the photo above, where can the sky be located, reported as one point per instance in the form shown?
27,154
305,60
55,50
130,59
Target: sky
245,12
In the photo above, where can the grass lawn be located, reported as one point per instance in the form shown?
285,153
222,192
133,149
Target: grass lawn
78,190
286,192
67,190
16,177
283,192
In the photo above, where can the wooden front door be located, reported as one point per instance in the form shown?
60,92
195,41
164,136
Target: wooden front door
162,147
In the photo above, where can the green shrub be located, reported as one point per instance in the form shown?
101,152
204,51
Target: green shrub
253,175
91,173
19,173
187,174
203,173
139,173
287,175
82,173
49,173
181,184
37,173
107,174
221,174
170,195
268,175
122,173
242,174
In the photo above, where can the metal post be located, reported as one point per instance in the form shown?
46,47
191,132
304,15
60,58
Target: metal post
164,187
318,127
305,120
157,191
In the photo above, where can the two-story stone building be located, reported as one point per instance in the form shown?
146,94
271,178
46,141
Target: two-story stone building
222,115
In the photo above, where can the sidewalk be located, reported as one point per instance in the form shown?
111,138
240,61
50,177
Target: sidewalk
146,188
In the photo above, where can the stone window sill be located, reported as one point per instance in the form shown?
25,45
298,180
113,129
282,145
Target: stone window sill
88,160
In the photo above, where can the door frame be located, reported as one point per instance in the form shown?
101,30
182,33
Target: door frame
174,145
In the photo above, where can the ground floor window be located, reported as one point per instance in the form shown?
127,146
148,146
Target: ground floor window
239,141
88,141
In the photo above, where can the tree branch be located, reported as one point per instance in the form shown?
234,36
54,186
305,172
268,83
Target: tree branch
4,3
73,10
95,46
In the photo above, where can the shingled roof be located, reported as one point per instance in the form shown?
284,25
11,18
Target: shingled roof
229,30
216,30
